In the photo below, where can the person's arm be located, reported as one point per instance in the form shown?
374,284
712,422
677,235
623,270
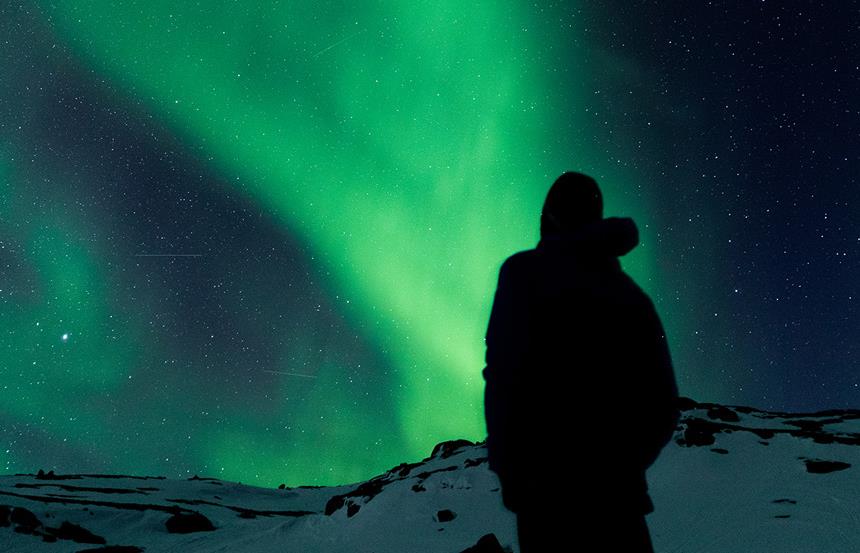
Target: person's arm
505,344
660,402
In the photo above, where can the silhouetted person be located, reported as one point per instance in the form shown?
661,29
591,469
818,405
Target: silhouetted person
577,360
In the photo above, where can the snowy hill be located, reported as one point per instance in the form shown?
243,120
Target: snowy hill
733,480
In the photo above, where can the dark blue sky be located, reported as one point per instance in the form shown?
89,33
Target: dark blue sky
342,314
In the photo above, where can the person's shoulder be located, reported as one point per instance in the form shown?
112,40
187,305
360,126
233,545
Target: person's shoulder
519,261
636,293
517,268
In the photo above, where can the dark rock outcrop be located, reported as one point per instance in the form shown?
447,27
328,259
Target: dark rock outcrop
697,431
445,515
818,466
75,533
334,504
25,517
446,449
488,543
368,490
719,412
186,523
686,404
113,549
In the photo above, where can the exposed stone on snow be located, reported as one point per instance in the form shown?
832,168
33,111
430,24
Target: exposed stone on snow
186,523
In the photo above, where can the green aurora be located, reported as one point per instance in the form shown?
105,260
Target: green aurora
406,145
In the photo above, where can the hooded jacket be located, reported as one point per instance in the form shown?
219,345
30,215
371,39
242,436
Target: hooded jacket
576,359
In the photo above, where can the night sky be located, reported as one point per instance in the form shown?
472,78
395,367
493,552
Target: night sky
259,240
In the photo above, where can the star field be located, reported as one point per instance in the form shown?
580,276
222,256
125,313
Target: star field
259,241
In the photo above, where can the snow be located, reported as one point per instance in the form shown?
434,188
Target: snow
708,502
749,491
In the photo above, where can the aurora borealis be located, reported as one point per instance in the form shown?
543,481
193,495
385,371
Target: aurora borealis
259,240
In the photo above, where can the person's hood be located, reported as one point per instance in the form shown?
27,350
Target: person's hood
611,237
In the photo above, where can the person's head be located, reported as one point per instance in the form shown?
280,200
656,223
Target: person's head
573,201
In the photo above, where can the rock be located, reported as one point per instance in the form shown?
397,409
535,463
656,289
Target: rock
403,469
5,512
699,432
805,424
113,549
487,544
75,533
446,449
186,523
334,504
445,515
818,466
719,412
686,404
368,490
25,518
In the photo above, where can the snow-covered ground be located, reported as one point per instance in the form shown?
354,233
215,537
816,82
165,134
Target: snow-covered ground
752,490
734,480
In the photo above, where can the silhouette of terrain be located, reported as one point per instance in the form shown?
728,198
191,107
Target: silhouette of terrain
733,479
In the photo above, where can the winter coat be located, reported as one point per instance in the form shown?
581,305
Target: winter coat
576,360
